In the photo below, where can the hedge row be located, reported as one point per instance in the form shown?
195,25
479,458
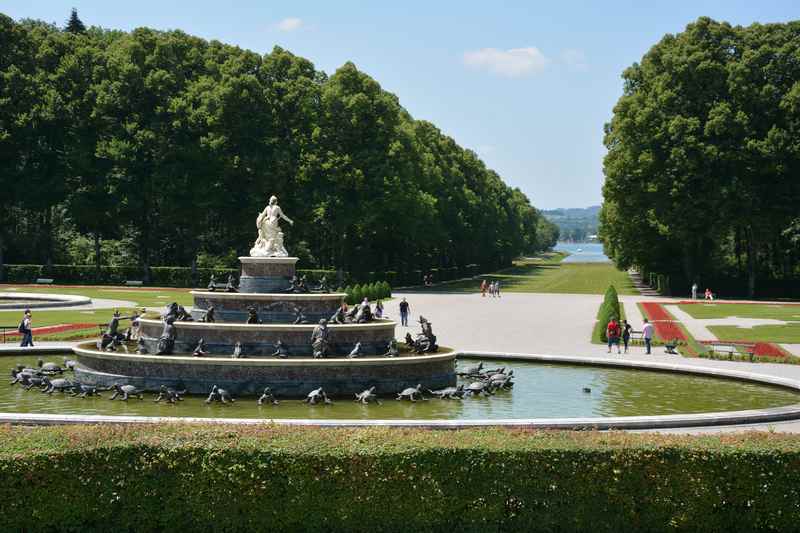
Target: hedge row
608,309
371,291
184,277
198,478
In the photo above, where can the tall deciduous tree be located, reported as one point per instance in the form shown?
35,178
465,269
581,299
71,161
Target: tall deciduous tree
702,150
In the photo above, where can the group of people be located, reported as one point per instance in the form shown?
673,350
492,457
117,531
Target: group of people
616,331
708,295
493,288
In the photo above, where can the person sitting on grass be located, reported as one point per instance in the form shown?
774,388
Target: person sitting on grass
613,332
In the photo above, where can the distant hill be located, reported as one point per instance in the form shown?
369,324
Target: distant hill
575,223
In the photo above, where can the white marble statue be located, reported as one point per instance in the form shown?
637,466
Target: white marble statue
270,236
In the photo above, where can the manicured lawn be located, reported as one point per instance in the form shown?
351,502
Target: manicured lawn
781,334
149,298
722,310
551,276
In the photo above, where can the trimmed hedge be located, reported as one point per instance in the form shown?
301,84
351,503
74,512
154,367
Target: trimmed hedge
201,478
179,276
609,308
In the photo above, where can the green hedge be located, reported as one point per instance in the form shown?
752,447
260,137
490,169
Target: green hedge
183,276
200,478
609,308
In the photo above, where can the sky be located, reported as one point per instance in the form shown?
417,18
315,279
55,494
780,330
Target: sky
527,85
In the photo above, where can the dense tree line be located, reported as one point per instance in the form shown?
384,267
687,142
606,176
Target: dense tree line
160,148
703,165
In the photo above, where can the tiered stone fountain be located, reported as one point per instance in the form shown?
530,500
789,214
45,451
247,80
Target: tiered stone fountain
265,277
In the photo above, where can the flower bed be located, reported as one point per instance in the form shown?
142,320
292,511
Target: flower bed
655,311
767,349
668,331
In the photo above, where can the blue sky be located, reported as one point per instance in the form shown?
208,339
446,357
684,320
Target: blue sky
527,85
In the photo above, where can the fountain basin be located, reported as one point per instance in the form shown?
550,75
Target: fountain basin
271,307
30,300
293,377
260,339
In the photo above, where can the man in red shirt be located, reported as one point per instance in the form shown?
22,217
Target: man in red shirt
613,332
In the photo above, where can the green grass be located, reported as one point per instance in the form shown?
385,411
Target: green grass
786,334
720,310
149,298
549,275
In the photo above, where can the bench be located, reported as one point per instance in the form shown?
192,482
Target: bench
44,281
637,337
731,348
133,283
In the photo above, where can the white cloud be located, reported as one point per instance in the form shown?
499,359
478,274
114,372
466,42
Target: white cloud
574,59
512,63
289,24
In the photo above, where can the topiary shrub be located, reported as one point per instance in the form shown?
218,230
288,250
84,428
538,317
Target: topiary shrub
608,309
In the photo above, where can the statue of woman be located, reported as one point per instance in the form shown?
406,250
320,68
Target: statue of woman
270,236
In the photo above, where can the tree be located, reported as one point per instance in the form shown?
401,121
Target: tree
699,152
74,24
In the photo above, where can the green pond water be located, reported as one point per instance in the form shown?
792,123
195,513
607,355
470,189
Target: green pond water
540,391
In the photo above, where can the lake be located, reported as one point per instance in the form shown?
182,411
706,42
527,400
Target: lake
583,252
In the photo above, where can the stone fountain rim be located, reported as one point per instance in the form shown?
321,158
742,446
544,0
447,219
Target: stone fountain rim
719,418
379,323
88,349
35,300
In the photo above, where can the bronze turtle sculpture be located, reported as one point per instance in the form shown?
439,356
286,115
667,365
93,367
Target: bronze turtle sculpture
367,396
450,393
411,393
219,395
472,370
267,397
60,384
85,390
316,396
126,391
476,388
169,394
49,368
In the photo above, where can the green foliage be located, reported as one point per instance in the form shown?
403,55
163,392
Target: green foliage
267,478
701,172
610,308
175,143
74,24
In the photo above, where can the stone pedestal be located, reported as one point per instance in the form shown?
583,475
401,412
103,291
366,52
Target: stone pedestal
266,274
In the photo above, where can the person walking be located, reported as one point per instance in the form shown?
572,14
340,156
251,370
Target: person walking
647,334
483,288
404,308
25,327
497,288
613,333
694,291
626,334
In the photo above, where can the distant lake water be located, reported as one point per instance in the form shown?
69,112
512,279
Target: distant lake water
582,252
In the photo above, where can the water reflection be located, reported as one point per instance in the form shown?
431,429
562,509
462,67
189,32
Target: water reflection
541,391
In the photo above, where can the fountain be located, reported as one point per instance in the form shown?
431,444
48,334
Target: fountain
270,331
